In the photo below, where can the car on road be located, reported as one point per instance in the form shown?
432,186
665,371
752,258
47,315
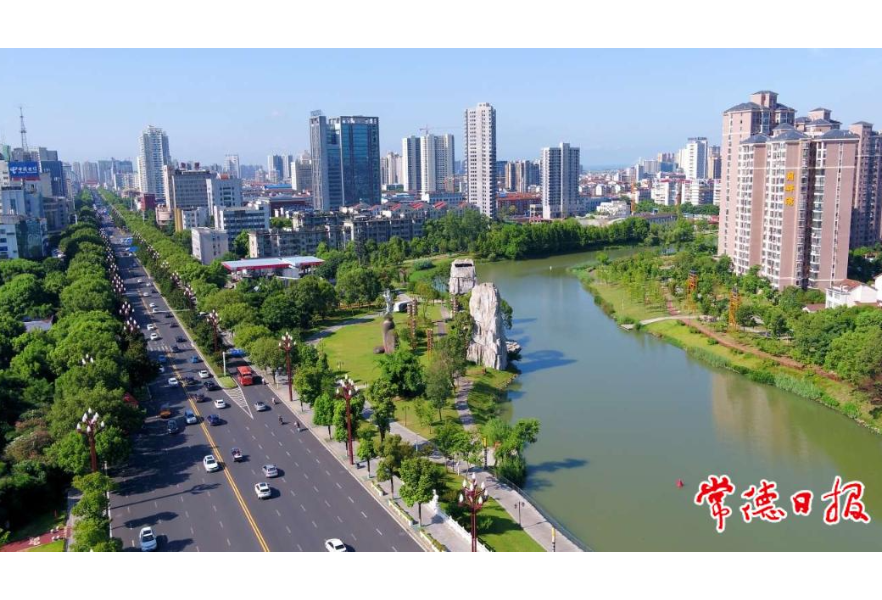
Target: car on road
154,336
173,381
165,411
211,386
213,420
145,294
161,369
162,358
260,406
194,359
154,310
139,281
188,380
270,470
236,353
335,545
237,455
262,490
152,305
151,327
203,374
190,417
175,349
147,539
210,463
173,324
169,315
220,403
180,339
173,427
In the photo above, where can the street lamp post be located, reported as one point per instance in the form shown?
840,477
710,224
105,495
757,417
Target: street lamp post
88,426
214,319
347,390
520,504
287,344
473,496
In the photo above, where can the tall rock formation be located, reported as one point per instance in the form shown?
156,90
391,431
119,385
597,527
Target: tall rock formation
462,276
487,346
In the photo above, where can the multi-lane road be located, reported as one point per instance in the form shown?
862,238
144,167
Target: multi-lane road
166,486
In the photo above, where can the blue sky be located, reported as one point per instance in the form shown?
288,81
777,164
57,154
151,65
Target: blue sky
617,105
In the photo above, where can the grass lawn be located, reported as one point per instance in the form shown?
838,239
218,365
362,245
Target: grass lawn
503,534
226,382
488,391
56,546
405,413
621,301
40,525
351,348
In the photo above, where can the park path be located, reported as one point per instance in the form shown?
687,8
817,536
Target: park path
38,540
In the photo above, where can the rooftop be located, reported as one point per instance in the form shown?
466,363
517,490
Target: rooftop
285,262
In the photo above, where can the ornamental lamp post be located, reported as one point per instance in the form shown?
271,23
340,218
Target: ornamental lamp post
473,496
213,320
347,390
286,345
88,426
87,360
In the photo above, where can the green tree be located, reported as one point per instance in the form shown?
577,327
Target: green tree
358,286
323,411
356,406
87,294
439,383
367,447
266,354
381,396
420,477
240,245
393,451
451,440
402,369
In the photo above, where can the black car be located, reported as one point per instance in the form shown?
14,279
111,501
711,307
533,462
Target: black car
197,397
173,427
175,349
180,339
211,386
213,420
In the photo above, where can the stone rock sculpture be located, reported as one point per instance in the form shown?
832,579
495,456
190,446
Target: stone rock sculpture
488,343
462,276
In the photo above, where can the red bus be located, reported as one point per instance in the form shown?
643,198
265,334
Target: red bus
245,375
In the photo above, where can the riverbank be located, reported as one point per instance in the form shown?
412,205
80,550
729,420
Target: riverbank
801,380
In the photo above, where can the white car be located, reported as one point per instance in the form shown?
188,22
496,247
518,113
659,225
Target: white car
155,310
173,381
153,305
220,403
145,294
139,281
210,463
151,327
262,490
203,374
335,545
154,337
147,539
270,471
161,369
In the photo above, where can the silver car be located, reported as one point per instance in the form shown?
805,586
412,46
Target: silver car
270,471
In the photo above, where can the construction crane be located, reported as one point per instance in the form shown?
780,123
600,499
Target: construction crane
425,130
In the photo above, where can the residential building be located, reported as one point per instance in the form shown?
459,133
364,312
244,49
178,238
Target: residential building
275,167
90,173
436,163
223,191
391,169
22,237
665,191
231,166
560,181
480,158
693,158
185,189
697,191
301,173
866,210
849,292
411,163
209,244
153,157
236,219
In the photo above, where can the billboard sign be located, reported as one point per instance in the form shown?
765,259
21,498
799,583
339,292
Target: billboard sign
24,170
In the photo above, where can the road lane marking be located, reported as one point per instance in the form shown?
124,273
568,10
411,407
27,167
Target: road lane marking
378,531
299,548
214,507
273,433
278,513
235,488
338,485
350,499
394,549
288,528
363,515
303,507
292,493
314,525
228,543
339,519
288,453
328,504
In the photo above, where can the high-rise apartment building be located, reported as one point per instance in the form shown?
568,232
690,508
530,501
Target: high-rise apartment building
390,173
411,163
275,167
560,181
480,158
345,160
301,173
866,210
693,158
153,157
231,165
436,163
90,172
186,189
223,191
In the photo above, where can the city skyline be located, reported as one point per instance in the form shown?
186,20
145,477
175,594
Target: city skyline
604,98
